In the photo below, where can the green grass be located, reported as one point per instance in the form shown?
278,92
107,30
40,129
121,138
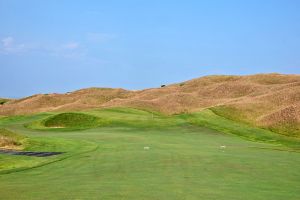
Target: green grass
184,161
68,121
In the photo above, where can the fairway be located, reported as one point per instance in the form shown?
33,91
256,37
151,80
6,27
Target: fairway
184,160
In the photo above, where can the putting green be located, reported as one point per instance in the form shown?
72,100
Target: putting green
184,160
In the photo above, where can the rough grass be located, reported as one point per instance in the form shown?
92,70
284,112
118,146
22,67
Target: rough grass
209,119
284,123
3,101
9,139
232,113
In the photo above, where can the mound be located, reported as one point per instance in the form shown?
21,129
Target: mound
10,140
73,120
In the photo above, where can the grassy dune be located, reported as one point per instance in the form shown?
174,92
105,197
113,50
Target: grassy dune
269,101
285,124
184,159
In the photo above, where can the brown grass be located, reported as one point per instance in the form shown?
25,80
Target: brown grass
266,100
10,140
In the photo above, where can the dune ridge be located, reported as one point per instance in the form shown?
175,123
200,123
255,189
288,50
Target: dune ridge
265,100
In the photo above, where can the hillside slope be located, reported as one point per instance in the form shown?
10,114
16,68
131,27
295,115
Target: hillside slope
3,101
77,100
265,100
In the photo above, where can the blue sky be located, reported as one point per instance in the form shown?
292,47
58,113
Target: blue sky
60,46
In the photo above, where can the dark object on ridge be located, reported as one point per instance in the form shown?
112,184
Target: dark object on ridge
163,86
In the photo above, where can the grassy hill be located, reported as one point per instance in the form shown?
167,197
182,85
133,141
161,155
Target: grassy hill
270,101
68,121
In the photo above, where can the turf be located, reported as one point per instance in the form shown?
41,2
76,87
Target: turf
184,160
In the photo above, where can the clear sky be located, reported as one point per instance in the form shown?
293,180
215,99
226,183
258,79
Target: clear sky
59,46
